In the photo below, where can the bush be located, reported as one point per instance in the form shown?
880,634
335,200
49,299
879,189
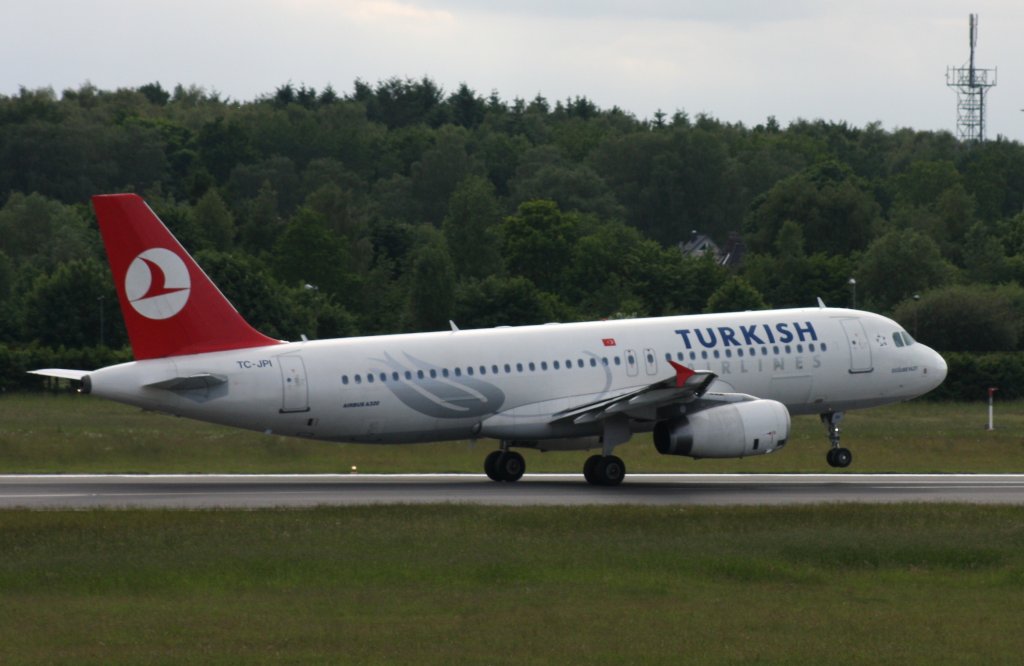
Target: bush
16,361
971,375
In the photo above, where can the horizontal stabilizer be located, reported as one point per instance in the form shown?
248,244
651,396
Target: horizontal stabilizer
61,373
191,383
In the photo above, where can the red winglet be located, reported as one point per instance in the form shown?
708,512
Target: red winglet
169,304
682,373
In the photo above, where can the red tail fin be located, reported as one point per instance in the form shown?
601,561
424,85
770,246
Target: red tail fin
169,304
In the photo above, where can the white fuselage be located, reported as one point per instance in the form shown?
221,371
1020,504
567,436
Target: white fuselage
507,383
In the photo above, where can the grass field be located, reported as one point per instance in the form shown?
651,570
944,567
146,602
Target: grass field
459,584
71,433
462,584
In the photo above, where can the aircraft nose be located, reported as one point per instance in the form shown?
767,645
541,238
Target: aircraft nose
937,369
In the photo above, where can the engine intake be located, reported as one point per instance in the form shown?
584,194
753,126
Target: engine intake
726,431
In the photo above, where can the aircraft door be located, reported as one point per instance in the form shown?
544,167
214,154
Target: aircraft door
860,352
295,388
650,361
632,363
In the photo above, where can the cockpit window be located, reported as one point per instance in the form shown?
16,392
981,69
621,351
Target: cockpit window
902,339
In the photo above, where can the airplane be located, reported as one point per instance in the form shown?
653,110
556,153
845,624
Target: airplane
706,386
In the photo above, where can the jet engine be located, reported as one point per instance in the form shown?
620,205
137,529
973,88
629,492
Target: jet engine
732,430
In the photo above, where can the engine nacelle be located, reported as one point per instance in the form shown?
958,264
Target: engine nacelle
732,430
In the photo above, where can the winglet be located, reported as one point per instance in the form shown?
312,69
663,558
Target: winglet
682,373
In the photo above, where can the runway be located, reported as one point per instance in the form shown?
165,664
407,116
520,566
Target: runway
265,491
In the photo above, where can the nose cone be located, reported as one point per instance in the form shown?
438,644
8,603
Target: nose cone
935,369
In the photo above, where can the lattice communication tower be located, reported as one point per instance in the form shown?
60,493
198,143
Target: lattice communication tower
971,85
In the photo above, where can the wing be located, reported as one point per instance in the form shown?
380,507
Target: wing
685,387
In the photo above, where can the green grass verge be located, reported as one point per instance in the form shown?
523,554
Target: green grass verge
455,584
70,433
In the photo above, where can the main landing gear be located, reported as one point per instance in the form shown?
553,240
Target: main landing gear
504,465
837,455
604,470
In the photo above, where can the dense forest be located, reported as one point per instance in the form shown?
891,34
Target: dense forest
399,205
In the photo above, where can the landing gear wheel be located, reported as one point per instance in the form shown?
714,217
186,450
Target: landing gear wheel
588,469
607,471
840,457
510,466
837,456
491,465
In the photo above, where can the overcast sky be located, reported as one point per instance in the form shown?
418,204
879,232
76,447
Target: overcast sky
740,60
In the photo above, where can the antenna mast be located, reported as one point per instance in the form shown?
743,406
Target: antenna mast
971,85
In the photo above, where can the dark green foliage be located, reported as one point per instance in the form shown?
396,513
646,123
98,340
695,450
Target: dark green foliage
538,241
971,375
736,295
967,318
548,210
897,265
833,206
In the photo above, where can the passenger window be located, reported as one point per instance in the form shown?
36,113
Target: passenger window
824,347
494,369
458,372
394,376
650,358
532,366
604,361
369,378
408,375
556,366
543,365
519,367
469,370
419,374
618,361
344,379
444,373
359,379
433,374
593,362
799,349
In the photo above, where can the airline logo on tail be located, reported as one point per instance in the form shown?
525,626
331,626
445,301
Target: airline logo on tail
157,284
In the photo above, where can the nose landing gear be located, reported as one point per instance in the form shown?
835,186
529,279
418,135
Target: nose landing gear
837,455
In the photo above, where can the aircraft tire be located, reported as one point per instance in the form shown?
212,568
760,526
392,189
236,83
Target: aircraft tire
842,457
588,469
510,466
491,465
610,471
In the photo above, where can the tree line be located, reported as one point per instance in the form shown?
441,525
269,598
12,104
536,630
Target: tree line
398,206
